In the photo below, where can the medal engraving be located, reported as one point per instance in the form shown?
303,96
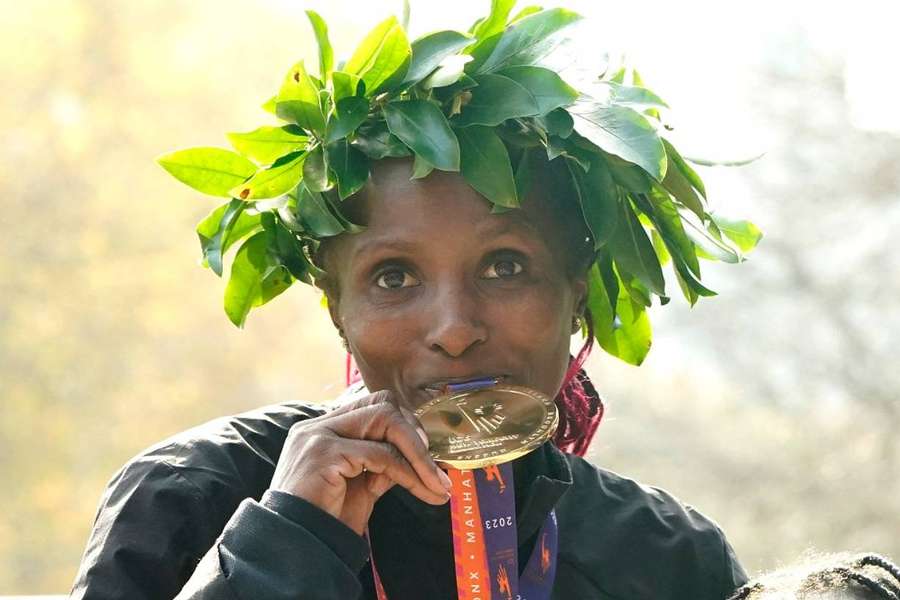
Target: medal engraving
489,426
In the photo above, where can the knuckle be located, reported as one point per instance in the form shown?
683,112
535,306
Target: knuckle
317,440
394,454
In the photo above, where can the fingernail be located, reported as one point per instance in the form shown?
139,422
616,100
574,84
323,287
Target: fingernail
423,435
448,485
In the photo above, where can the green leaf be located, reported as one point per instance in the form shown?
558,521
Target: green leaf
212,171
246,289
624,333
496,99
686,171
367,51
346,84
404,17
315,215
628,175
267,144
269,105
450,71
326,54
348,226
524,41
637,291
421,125
632,250
528,10
680,186
382,58
667,223
245,225
547,88
623,132
349,113
315,171
557,122
495,21
743,233
278,179
223,227
523,175
660,246
452,91
421,168
712,162
349,165
611,92
598,196
485,165
290,251
298,100
377,142
690,286
707,244
428,52
213,229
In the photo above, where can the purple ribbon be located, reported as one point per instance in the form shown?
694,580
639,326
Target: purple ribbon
497,504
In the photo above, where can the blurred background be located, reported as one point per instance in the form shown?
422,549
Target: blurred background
773,407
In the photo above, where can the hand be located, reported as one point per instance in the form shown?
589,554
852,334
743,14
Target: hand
345,460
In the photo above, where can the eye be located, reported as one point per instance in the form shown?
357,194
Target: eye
502,268
395,279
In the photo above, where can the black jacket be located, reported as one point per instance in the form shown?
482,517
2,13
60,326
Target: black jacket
190,518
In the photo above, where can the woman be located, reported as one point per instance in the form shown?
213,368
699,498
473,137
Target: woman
430,285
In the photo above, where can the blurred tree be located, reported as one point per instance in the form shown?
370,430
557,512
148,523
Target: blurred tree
784,423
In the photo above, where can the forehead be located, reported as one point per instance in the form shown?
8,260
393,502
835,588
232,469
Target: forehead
394,207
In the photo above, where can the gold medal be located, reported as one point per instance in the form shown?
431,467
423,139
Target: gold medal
487,426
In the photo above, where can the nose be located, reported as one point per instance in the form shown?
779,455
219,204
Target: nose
456,322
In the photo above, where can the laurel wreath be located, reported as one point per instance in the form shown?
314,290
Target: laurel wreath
476,103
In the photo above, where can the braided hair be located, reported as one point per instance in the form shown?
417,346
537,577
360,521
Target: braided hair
864,576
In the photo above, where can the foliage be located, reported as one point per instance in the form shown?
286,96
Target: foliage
467,102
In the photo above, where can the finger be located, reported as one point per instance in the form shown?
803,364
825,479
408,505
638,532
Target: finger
413,420
384,458
384,422
378,484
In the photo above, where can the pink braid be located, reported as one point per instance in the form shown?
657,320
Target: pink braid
580,406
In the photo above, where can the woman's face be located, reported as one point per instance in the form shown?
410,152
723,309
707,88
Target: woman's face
438,289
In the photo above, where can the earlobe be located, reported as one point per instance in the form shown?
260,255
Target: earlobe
578,311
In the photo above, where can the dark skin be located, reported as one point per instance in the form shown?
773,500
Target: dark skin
436,289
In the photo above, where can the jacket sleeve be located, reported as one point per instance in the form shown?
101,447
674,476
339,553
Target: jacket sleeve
280,548
158,537
732,575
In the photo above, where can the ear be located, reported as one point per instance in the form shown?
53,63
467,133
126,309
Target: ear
579,300
332,303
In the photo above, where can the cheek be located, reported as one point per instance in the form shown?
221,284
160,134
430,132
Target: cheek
380,342
537,328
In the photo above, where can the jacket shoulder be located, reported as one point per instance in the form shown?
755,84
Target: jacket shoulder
639,541
164,508
233,454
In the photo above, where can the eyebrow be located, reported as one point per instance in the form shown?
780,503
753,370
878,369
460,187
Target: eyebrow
486,228
384,244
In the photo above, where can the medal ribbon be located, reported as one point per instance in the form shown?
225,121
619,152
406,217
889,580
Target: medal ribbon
485,547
